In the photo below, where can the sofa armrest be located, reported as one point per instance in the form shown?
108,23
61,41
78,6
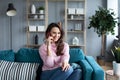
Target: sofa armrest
98,72
87,70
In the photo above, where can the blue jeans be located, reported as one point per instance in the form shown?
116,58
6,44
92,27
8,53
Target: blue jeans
58,74
76,75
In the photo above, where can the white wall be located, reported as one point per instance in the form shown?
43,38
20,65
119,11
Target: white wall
93,42
112,4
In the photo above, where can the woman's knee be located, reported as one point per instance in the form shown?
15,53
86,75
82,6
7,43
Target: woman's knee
78,73
70,70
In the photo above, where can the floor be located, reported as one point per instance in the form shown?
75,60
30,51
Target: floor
107,66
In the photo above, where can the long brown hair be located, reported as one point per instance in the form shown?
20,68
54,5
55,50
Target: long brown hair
59,43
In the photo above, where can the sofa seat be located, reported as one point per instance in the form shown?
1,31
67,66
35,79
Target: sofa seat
26,64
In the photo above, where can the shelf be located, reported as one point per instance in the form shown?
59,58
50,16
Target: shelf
76,31
75,19
33,45
36,31
35,14
32,19
36,0
77,0
76,14
76,46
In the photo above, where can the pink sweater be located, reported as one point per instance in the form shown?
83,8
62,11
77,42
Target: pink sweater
53,61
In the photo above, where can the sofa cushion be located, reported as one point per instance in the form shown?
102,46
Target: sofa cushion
76,54
75,66
7,55
28,55
18,71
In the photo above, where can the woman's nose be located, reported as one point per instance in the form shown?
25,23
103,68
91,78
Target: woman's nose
56,35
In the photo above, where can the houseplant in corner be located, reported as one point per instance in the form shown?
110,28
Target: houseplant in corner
116,63
103,22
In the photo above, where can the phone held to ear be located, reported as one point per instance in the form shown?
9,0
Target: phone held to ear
50,38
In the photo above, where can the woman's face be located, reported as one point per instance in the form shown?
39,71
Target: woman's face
55,33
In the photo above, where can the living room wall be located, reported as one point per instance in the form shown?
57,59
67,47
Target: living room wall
19,23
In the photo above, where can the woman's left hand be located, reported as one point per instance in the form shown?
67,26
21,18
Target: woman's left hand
65,66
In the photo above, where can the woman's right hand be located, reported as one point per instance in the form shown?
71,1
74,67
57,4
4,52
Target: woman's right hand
65,66
49,40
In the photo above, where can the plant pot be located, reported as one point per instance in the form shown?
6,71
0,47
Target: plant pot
116,68
41,11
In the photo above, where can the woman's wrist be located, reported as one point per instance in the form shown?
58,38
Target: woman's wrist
47,42
48,50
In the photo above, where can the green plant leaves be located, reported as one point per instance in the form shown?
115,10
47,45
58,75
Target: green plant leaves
116,53
103,21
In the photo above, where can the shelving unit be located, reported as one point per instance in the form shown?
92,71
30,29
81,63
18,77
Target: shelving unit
55,11
36,24
75,22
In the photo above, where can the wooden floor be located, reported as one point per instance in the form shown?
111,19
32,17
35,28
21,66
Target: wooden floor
107,66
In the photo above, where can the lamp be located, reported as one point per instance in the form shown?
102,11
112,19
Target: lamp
11,11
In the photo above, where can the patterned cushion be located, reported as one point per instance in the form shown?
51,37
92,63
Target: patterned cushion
18,71
7,55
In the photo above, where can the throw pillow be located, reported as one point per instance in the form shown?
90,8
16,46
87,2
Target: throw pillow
7,55
18,71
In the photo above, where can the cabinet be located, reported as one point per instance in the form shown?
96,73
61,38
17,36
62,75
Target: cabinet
70,12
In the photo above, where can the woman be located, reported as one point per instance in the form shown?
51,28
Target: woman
55,55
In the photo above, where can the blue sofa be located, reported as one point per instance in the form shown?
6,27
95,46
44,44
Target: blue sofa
25,64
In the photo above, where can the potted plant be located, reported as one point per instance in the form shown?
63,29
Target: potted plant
116,54
103,22
41,9
116,63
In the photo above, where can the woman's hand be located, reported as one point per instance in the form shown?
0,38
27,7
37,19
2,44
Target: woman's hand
49,40
65,66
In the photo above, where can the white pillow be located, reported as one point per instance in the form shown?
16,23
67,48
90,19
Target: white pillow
18,70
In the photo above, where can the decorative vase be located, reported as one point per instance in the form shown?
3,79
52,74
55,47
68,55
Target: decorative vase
116,68
41,16
36,39
75,41
33,9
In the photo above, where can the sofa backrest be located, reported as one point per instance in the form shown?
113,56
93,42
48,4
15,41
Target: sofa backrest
32,55
7,55
76,54
28,55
